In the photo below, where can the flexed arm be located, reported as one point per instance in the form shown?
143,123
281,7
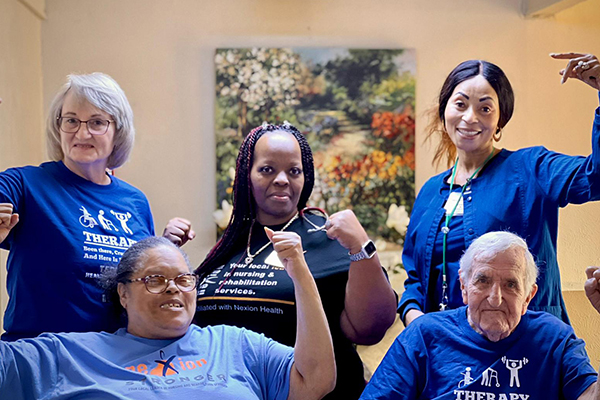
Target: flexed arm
370,305
313,373
8,220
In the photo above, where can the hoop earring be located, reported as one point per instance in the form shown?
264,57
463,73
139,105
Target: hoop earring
498,135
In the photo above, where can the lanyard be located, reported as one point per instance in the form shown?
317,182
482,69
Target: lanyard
446,229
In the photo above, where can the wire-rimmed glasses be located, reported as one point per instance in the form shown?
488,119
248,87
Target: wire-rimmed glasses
158,284
95,126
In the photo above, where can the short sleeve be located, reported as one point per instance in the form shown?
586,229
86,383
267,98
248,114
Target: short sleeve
29,368
578,374
270,362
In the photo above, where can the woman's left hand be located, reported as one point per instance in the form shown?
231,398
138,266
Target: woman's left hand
584,67
288,246
347,230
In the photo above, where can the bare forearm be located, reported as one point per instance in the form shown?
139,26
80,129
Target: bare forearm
314,370
370,305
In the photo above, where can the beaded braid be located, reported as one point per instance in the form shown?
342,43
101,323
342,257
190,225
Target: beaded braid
244,206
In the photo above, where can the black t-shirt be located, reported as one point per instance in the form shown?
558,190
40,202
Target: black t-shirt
260,297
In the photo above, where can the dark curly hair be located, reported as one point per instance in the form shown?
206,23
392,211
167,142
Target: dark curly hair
244,206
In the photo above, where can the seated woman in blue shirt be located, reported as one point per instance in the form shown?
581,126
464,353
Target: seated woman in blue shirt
492,189
159,355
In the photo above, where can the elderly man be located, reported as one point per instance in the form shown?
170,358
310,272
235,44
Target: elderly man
492,349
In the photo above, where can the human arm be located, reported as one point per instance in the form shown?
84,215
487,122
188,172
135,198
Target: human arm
313,373
370,301
8,220
179,231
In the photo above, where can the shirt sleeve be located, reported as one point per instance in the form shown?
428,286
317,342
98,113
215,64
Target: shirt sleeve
271,363
11,191
398,375
29,368
413,296
577,372
569,179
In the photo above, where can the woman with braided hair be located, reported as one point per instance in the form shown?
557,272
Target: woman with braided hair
245,285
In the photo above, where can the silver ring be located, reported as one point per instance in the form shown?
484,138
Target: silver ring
585,66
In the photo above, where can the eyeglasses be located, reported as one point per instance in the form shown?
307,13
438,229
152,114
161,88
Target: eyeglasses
157,284
95,126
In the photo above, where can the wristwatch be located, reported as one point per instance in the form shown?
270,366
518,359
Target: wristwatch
368,251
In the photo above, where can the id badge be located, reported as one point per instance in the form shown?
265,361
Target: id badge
453,198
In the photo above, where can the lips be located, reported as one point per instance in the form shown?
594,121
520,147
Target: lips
280,196
468,132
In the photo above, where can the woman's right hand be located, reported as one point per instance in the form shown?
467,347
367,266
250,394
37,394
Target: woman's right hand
288,246
8,220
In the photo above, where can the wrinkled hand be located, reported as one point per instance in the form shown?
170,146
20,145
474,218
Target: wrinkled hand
592,286
584,67
179,231
8,220
344,227
288,246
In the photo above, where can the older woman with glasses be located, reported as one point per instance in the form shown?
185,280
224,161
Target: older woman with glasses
66,221
160,355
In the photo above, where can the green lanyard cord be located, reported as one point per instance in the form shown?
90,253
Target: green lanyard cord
446,229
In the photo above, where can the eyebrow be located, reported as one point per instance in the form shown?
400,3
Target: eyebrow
484,98
75,114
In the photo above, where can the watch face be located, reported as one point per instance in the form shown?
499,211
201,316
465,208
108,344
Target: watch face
370,248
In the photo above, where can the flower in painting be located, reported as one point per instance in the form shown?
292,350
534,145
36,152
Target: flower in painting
223,215
397,218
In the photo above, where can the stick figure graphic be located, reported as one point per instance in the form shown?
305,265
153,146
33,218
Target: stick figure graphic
123,218
514,366
106,223
86,219
487,376
467,377
164,367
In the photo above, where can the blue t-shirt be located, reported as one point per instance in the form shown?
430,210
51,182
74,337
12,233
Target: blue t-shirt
439,356
220,362
70,230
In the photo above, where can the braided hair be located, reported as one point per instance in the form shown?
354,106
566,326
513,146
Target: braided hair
244,206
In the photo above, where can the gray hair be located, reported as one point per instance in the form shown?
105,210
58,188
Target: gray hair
104,93
487,246
134,258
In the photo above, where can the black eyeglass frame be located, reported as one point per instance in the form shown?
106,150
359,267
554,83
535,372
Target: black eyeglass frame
59,119
145,279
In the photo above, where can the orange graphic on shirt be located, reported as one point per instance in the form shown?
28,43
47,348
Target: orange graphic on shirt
164,367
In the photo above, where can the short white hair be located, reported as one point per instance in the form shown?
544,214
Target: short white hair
104,93
488,245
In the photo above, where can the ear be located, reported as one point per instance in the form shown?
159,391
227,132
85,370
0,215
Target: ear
122,290
534,290
463,289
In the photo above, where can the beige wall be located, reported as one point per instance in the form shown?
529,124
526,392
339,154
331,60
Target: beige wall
162,54
21,111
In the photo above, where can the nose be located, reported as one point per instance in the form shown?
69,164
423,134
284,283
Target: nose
495,296
81,133
281,179
172,287
469,116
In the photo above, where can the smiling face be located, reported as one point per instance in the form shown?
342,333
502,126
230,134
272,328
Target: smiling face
471,116
496,294
158,316
83,151
276,176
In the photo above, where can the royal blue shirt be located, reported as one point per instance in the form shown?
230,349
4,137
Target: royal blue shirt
517,191
70,230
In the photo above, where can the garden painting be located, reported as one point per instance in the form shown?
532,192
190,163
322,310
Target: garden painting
356,108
